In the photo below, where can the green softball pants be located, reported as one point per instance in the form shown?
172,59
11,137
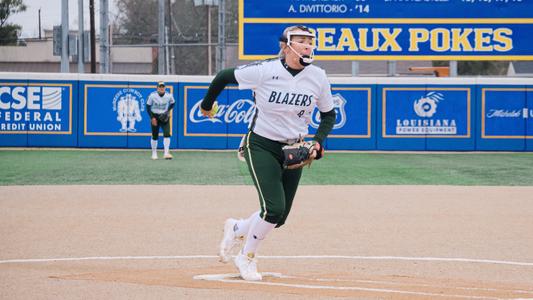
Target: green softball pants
155,129
275,186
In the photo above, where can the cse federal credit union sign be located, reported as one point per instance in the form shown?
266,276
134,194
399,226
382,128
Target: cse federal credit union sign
393,29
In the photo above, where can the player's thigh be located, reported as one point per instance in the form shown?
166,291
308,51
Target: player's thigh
266,174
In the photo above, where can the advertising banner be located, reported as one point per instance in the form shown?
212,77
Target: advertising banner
387,9
393,30
462,114
506,113
237,109
114,114
426,112
195,130
36,108
116,109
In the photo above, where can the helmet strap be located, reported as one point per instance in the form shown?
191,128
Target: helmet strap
305,60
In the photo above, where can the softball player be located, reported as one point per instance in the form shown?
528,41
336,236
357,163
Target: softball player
286,91
159,105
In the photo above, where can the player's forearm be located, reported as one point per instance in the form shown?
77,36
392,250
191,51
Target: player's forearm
218,84
149,110
171,106
327,120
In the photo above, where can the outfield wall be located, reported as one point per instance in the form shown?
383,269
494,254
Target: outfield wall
382,113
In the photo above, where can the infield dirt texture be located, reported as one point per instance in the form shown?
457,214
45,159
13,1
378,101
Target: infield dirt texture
115,225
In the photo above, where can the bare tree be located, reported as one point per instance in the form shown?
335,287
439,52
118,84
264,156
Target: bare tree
137,23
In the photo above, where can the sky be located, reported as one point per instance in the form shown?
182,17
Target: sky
51,15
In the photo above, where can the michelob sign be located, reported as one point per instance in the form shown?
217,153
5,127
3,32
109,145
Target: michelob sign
393,29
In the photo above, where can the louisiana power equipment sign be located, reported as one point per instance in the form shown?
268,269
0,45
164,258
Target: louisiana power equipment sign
393,29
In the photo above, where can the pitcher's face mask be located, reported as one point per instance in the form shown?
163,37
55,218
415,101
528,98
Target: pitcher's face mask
301,41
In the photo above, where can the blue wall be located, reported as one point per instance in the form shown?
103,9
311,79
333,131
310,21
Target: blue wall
430,114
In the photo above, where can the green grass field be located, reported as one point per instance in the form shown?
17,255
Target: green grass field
51,167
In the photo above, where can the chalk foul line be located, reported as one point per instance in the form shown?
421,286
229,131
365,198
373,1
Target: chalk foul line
317,257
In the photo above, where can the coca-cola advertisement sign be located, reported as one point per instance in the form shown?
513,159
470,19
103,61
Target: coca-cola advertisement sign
240,111
236,111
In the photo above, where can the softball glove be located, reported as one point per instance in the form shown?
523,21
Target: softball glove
301,154
164,117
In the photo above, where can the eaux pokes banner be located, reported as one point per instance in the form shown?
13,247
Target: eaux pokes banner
393,30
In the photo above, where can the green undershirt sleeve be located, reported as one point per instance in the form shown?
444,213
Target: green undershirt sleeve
149,110
218,84
327,120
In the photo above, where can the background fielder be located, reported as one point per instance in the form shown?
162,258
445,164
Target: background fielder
286,91
159,105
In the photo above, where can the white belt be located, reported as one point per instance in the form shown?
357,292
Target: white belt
289,141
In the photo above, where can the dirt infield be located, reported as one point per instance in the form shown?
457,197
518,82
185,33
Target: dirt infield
353,242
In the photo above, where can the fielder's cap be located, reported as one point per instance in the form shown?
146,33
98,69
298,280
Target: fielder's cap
160,83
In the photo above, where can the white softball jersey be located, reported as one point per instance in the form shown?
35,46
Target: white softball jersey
160,104
284,102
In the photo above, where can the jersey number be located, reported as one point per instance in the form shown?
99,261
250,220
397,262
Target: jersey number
301,113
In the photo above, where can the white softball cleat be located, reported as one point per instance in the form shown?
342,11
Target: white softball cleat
230,241
247,265
168,156
154,156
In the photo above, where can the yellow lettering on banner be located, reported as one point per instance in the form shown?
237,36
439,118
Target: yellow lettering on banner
437,39
503,36
325,36
440,39
483,39
363,40
416,36
315,34
390,39
460,39
347,39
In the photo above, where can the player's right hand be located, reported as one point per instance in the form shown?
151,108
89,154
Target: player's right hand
154,121
210,113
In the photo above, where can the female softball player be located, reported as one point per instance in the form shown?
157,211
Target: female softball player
159,105
286,91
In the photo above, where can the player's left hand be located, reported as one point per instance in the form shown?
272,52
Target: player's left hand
301,154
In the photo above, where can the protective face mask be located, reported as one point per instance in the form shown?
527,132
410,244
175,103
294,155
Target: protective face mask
305,60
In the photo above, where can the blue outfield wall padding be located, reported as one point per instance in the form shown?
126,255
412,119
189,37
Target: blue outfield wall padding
502,122
109,111
100,105
55,123
195,130
355,127
454,117
237,114
113,114
425,117
395,112
528,114
13,111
